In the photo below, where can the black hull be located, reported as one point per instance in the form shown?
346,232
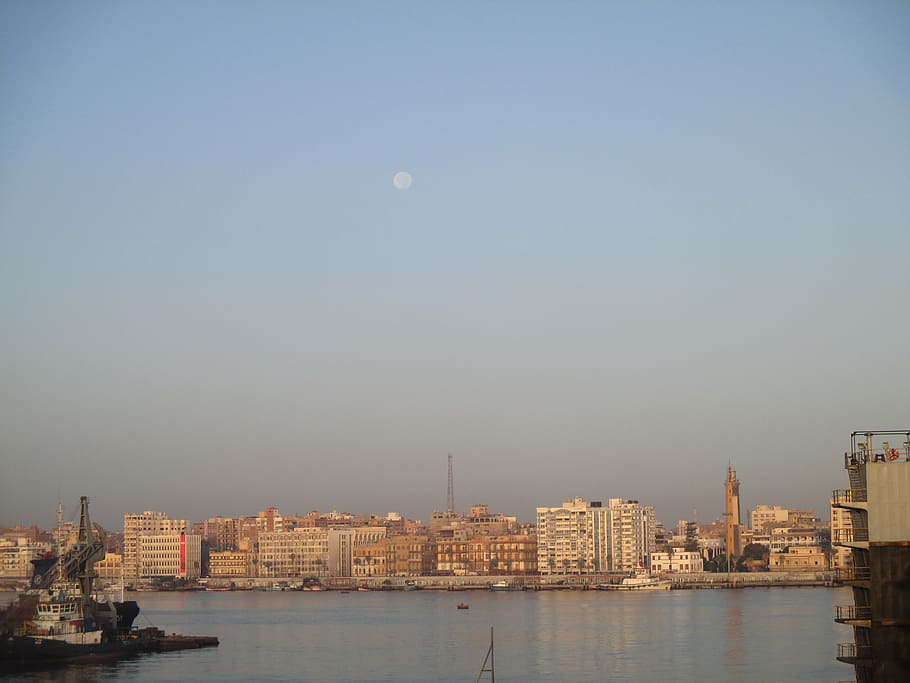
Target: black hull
24,652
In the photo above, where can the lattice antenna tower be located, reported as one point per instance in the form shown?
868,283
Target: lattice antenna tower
450,496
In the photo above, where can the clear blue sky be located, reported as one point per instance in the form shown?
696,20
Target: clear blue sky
643,240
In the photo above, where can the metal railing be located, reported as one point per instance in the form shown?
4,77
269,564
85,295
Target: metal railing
849,496
840,536
852,612
846,574
853,651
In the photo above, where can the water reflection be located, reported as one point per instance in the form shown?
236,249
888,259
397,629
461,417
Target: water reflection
549,636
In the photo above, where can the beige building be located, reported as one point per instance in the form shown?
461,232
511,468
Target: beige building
229,564
177,555
801,558
677,560
16,557
109,569
766,517
783,538
300,552
148,523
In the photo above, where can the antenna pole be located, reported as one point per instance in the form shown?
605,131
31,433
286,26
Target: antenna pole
450,497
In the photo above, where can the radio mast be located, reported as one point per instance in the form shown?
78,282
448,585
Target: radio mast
450,497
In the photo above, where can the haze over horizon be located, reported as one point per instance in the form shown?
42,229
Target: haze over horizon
641,243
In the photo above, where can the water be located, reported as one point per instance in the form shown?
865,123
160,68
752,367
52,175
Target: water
761,634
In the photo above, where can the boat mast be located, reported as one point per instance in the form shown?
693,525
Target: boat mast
488,658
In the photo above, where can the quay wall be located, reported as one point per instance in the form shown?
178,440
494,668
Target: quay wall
678,581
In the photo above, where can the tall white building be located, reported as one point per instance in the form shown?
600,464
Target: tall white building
631,534
581,537
148,523
569,537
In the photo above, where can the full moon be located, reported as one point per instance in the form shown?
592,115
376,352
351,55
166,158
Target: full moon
402,180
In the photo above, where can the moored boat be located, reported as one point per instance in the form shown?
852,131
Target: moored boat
59,620
639,582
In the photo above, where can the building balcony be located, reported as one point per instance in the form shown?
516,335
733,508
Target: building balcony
851,653
855,615
850,498
858,538
853,575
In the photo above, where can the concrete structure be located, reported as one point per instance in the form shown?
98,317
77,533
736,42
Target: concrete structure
878,501
148,523
842,556
177,555
733,522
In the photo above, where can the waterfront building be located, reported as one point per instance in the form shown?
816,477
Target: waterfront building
581,537
409,555
733,522
229,564
368,559
878,501
572,538
798,558
297,553
148,523
513,554
676,560
631,536
177,555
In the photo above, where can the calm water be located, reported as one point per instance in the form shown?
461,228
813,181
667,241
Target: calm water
764,634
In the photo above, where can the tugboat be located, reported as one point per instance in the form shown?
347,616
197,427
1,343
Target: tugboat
59,621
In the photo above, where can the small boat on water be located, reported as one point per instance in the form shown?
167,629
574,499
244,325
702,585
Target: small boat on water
639,582
463,605
505,586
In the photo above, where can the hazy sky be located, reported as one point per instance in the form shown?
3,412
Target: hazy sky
643,240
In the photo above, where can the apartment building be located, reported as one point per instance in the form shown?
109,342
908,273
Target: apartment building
148,523
632,532
296,553
176,555
571,538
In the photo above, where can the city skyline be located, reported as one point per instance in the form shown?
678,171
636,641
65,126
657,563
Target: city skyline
638,243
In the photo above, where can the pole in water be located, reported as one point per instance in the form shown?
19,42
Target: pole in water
489,658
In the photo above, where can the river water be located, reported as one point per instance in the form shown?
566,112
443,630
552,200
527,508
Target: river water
760,634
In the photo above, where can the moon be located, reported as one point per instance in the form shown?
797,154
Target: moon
402,180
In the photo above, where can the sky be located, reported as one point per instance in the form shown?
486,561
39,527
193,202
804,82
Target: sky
643,241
